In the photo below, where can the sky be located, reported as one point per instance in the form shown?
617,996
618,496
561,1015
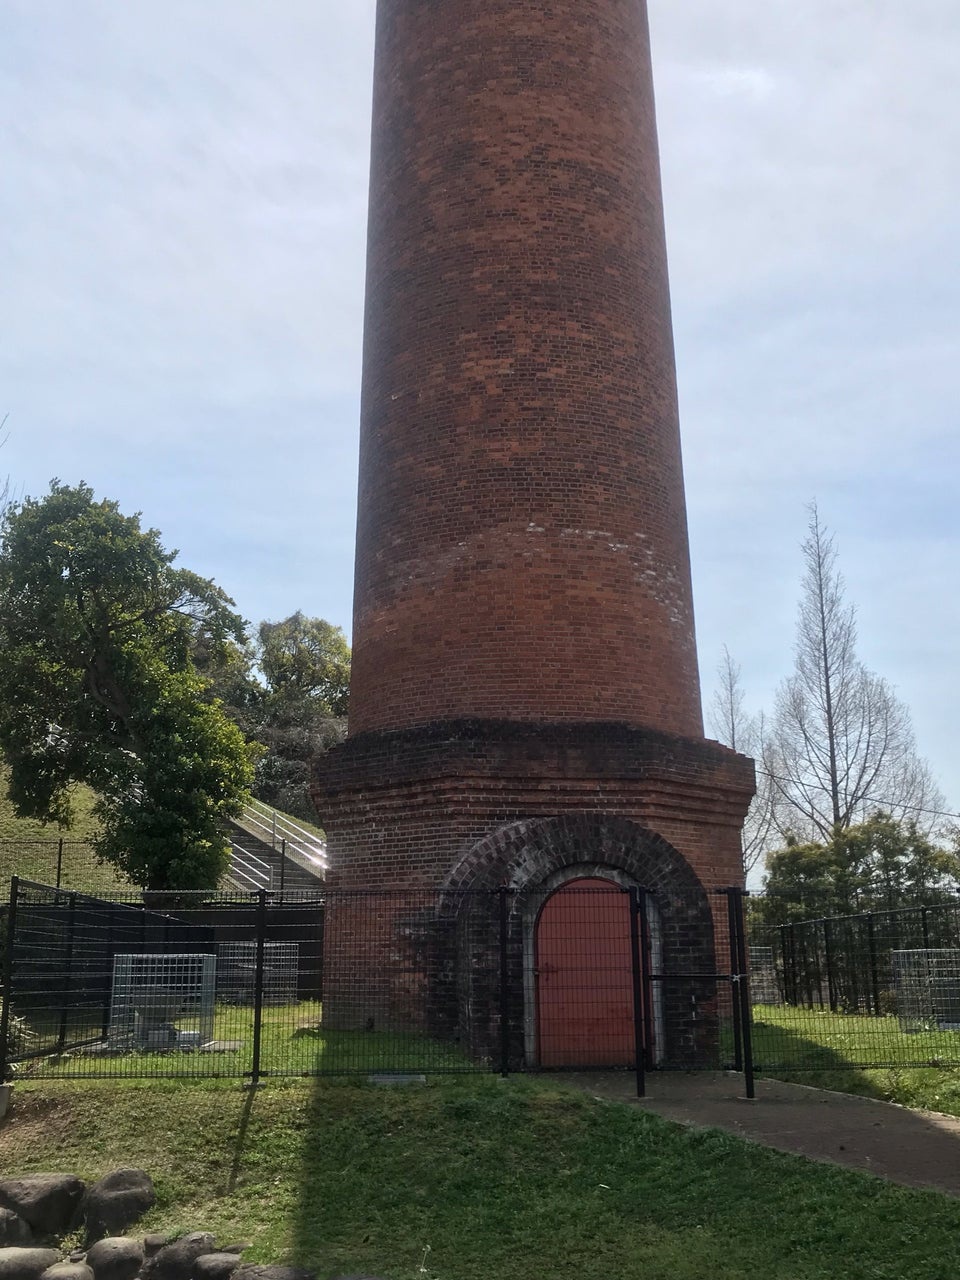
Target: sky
182,226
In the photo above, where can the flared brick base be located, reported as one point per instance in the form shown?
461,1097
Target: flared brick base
452,811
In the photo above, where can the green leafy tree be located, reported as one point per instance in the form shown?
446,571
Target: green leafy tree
98,684
306,666
298,710
879,865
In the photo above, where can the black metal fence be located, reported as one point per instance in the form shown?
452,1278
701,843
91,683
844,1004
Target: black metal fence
590,974
158,984
876,989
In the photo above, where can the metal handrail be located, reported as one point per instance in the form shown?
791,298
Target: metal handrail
252,857
301,846
282,822
247,871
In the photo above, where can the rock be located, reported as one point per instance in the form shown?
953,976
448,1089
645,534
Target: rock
26,1264
48,1201
13,1229
175,1260
215,1266
67,1271
253,1271
115,1258
117,1201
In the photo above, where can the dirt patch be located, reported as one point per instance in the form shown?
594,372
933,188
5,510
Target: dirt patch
33,1116
915,1148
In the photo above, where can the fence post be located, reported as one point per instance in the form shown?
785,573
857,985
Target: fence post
504,983
828,957
646,959
793,985
636,964
874,973
6,978
925,926
283,863
59,863
67,977
734,989
743,986
258,987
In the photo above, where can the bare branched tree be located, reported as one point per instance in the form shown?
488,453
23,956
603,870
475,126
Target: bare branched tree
841,746
737,728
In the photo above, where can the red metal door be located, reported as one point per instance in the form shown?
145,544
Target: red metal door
584,971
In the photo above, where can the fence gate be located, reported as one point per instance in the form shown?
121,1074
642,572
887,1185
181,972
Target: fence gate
691,980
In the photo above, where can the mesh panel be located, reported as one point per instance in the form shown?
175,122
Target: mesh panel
582,973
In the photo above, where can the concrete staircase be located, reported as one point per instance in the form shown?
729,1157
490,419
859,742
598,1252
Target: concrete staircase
271,851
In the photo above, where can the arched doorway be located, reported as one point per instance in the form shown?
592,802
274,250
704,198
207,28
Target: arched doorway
516,870
583,966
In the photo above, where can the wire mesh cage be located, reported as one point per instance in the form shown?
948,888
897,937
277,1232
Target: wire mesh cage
162,1003
927,987
764,987
237,972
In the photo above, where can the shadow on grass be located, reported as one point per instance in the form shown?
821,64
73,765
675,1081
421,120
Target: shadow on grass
482,1180
240,1142
784,1054
851,1053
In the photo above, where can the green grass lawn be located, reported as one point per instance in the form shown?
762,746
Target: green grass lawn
292,1043
478,1180
838,1051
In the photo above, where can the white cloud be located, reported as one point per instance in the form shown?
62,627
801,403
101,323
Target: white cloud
183,203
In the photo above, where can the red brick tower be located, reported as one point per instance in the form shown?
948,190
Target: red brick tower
525,695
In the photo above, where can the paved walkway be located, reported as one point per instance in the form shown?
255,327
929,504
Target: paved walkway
916,1148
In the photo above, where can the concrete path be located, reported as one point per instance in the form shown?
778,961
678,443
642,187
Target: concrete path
916,1148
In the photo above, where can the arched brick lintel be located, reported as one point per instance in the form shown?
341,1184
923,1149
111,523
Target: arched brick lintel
524,855
532,858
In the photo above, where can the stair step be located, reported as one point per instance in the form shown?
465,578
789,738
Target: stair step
266,864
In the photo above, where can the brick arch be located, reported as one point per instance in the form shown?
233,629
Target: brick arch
522,855
529,860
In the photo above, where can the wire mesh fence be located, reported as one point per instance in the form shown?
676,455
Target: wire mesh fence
585,974
159,984
872,990
71,864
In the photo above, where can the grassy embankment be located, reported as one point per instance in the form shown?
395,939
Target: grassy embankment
29,848
479,1180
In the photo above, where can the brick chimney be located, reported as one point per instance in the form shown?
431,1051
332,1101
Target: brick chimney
524,659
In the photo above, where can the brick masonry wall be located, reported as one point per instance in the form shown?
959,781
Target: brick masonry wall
522,545
460,808
403,809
